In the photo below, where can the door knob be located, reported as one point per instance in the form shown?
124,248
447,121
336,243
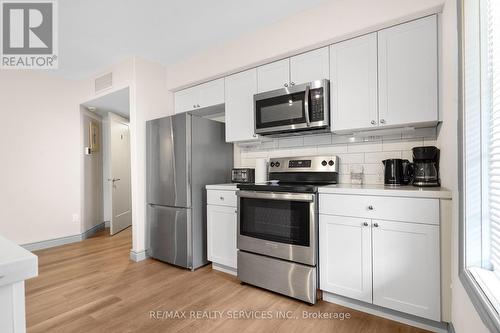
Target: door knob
370,207
375,225
382,121
365,224
292,83
198,105
373,122
194,106
286,84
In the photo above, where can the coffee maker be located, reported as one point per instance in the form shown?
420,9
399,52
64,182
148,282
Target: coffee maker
426,166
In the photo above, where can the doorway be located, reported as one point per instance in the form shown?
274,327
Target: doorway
106,197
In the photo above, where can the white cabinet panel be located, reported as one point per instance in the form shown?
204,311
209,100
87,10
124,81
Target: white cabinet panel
221,235
310,66
415,210
240,89
406,274
200,96
222,198
273,76
353,83
211,93
186,100
345,256
408,73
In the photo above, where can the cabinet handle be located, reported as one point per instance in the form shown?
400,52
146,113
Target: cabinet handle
382,121
198,105
370,207
375,225
292,83
222,198
365,224
194,106
286,84
373,122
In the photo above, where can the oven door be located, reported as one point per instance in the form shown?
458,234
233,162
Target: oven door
280,225
300,107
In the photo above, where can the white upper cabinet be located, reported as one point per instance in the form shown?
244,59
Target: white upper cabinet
406,271
273,76
408,73
345,254
310,66
211,93
353,83
200,96
240,89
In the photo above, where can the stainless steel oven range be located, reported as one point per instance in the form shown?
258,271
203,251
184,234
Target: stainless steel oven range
278,226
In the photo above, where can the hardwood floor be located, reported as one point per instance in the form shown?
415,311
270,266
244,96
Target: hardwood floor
92,286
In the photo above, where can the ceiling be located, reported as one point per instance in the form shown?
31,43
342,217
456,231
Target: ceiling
94,34
117,102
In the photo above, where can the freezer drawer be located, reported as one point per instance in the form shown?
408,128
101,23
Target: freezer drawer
169,234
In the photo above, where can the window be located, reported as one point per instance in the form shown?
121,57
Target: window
480,185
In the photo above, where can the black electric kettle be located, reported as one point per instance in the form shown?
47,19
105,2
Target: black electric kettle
397,171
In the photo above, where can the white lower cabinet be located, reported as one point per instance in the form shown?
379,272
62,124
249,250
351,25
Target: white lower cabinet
345,252
393,264
406,273
221,236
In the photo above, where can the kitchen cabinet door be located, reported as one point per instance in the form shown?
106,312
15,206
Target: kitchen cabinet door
221,235
353,84
345,256
408,73
406,272
310,66
239,91
273,76
186,100
210,93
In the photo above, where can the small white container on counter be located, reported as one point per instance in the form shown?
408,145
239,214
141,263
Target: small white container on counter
261,170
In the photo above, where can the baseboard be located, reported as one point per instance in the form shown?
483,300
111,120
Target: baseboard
407,319
63,240
138,256
225,269
94,230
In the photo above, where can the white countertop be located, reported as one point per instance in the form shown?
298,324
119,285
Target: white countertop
381,190
222,187
16,263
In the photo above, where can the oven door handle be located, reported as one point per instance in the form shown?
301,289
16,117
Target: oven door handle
284,196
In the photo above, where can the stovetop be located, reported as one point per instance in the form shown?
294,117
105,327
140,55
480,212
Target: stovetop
282,187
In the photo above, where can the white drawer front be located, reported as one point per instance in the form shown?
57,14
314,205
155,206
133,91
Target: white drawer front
417,210
221,198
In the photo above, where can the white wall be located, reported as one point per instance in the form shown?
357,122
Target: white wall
40,164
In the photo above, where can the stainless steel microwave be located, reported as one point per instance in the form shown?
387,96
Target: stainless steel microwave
302,107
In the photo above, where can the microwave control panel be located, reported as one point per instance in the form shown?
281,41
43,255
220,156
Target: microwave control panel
316,104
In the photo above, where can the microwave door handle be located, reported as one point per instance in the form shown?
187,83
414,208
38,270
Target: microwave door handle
306,106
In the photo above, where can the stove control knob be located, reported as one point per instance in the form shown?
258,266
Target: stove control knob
330,163
324,163
272,164
277,164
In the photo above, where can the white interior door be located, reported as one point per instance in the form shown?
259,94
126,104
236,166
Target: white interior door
120,175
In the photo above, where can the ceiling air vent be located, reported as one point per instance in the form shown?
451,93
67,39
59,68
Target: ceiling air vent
103,82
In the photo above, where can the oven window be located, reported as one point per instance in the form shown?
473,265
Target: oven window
280,111
275,220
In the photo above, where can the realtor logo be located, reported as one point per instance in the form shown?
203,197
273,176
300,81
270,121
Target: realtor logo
28,34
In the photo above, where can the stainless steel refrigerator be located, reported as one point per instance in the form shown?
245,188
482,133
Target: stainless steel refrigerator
184,153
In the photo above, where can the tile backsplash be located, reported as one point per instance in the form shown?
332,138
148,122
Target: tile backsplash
366,151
